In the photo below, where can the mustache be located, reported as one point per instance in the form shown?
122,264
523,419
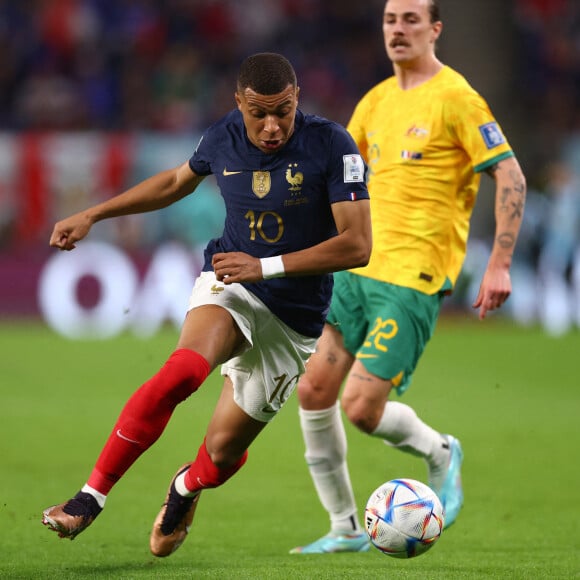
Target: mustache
398,42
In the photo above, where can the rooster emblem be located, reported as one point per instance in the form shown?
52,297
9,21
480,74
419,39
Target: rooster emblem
295,180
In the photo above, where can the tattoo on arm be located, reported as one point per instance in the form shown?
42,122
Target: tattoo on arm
517,209
517,205
519,185
508,202
491,170
506,240
503,200
361,378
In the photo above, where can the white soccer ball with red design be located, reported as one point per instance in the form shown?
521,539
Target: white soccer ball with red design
404,518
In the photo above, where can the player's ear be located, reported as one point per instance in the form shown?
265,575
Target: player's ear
238,100
437,27
297,94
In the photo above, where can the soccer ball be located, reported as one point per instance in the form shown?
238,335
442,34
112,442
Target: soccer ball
403,518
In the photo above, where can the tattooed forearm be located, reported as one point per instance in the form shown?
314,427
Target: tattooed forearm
509,205
506,241
513,207
519,185
512,198
517,210
503,199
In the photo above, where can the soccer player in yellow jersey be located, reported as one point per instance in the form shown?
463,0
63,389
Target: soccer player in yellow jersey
427,137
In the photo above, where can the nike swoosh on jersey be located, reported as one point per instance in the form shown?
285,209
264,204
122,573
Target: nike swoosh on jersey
226,172
361,355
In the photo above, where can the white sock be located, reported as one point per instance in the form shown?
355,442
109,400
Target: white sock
325,441
180,486
101,498
400,427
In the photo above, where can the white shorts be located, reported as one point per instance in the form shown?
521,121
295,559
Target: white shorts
266,370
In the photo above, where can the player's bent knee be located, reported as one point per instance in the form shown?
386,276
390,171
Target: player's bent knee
313,394
306,393
362,416
305,386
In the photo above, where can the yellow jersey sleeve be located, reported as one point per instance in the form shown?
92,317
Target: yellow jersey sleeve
425,148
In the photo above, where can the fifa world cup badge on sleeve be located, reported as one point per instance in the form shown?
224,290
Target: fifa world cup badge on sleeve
492,135
354,168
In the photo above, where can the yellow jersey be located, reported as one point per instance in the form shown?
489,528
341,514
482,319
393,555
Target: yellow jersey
425,148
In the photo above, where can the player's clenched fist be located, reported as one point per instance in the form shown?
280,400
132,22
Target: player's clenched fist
69,231
233,267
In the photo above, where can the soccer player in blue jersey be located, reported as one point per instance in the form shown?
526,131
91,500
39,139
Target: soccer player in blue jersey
297,209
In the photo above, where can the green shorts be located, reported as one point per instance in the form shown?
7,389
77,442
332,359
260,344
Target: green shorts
385,326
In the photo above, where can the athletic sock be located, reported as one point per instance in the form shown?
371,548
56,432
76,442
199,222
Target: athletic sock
145,416
181,488
400,427
82,504
325,441
204,473
99,497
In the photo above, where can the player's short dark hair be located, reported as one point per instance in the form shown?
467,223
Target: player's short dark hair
267,73
434,11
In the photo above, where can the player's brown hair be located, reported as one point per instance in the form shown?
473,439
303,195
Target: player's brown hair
434,11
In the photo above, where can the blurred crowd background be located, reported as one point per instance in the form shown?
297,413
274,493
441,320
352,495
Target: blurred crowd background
168,65
96,94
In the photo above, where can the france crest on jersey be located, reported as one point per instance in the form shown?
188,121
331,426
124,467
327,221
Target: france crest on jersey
281,202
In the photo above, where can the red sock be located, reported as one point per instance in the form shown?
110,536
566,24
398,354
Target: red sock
204,473
146,414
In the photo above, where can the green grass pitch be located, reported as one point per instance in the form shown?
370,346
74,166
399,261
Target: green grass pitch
510,394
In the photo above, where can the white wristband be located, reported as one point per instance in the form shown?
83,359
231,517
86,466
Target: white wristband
272,267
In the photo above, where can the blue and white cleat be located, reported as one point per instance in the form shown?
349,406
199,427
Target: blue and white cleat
451,493
334,543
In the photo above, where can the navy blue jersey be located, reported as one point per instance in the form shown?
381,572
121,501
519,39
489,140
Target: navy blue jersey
280,203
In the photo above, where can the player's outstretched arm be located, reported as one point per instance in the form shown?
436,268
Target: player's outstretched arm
154,193
510,199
